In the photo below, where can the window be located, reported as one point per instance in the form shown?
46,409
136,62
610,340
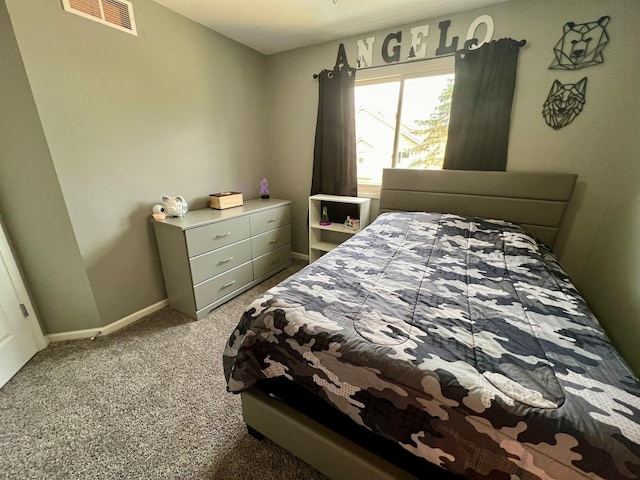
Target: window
402,118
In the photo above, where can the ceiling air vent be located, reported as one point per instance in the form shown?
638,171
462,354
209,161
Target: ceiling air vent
115,13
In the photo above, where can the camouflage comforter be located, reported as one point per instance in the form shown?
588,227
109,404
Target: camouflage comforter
462,340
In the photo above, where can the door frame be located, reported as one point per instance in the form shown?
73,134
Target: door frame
21,290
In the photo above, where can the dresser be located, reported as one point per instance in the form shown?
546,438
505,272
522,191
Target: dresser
210,256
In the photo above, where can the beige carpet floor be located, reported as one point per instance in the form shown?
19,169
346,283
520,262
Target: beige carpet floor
147,402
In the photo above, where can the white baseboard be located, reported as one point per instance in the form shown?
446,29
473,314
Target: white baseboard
128,320
107,329
300,256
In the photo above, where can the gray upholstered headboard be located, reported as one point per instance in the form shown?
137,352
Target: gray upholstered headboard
537,201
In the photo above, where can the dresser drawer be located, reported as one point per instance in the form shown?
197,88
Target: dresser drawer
216,235
224,284
217,261
271,261
271,240
269,219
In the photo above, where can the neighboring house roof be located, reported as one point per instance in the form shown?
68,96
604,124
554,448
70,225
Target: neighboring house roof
405,131
362,141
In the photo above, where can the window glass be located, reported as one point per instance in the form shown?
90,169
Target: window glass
375,111
422,105
422,139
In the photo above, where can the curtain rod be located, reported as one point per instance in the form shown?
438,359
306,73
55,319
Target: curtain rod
467,44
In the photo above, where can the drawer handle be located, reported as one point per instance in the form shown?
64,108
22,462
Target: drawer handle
226,260
275,240
274,220
227,284
222,235
275,260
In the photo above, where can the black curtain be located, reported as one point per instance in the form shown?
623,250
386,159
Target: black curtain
334,156
481,106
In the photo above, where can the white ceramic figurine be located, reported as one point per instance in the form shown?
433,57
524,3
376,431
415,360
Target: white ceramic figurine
174,206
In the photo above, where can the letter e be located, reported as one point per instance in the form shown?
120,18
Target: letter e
418,41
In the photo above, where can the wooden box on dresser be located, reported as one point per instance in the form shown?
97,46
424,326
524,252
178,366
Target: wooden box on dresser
210,256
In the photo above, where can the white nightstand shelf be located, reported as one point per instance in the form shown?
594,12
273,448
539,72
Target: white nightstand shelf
324,238
324,246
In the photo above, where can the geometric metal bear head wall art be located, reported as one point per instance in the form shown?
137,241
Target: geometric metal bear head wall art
581,45
564,103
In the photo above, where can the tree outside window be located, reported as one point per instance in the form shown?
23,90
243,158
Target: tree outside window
433,132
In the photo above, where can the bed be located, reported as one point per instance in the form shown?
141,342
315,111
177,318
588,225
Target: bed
447,330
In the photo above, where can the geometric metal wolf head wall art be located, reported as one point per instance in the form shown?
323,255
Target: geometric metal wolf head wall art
564,103
581,45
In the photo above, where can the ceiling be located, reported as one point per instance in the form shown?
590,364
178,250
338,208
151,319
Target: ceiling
272,26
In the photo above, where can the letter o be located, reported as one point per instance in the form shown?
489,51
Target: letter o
488,21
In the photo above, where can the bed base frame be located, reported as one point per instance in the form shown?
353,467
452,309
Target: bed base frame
535,200
327,451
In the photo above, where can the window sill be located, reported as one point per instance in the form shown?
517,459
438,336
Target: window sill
369,191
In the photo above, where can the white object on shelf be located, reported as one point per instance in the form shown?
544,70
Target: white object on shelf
324,238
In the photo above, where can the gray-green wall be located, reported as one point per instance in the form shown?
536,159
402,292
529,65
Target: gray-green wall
600,145
32,205
611,278
114,122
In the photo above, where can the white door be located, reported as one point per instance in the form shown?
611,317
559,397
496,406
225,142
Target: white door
20,334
